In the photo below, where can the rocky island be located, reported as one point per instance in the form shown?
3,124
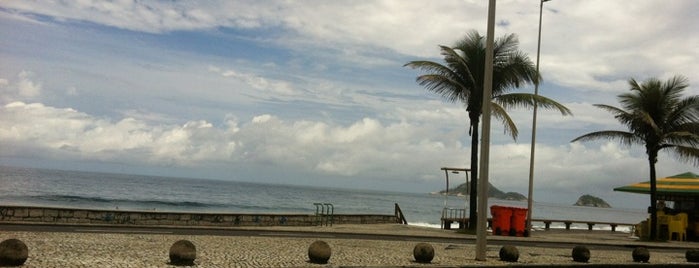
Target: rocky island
492,192
591,201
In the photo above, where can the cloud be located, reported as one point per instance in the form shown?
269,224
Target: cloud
586,45
273,87
367,148
26,87
23,88
65,131
140,16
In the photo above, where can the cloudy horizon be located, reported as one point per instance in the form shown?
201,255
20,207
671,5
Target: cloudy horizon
315,92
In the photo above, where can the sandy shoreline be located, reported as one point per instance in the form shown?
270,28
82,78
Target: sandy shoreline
57,249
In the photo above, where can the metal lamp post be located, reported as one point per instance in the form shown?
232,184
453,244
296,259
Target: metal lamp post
536,93
482,222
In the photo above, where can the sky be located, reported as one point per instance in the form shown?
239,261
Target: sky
316,92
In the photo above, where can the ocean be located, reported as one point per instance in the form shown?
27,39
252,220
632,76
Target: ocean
93,190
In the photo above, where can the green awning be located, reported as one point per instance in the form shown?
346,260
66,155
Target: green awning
685,184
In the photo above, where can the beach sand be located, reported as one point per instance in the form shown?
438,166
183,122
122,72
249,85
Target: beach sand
57,249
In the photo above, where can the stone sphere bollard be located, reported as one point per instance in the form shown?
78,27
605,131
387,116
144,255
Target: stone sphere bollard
319,252
640,254
13,252
183,253
509,253
692,255
423,253
581,254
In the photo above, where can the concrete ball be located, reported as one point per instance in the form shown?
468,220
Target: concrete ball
319,252
183,253
581,254
640,254
509,253
692,255
423,253
13,252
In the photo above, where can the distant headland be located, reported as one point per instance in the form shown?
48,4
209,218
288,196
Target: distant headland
493,192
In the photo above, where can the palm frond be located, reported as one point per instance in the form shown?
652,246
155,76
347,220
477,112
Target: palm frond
611,109
429,67
674,86
505,45
682,138
689,127
624,117
459,65
509,125
685,111
625,138
440,79
645,121
686,154
527,100
515,71
443,86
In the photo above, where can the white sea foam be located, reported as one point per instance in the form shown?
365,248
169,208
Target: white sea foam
425,224
540,227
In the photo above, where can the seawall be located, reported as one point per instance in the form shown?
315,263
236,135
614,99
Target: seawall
54,215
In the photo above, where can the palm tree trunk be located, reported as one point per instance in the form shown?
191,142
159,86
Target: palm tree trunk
653,197
473,194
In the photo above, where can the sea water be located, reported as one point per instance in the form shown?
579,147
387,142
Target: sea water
92,190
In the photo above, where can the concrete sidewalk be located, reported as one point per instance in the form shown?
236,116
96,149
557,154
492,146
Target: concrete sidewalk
287,247
543,237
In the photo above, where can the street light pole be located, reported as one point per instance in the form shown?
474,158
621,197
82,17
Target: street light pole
482,223
536,93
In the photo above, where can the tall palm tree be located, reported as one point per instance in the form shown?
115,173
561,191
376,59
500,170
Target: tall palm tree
657,117
460,79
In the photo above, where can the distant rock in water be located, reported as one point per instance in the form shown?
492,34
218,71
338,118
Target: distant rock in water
493,192
513,196
591,201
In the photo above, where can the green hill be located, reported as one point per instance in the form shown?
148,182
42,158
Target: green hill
492,192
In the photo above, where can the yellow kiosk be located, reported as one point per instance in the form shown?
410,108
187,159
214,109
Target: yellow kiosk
680,220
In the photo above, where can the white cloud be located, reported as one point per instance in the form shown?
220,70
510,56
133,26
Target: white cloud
147,16
26,87
586,45
366,148
23,88
55,129
407,152
595,45
274,87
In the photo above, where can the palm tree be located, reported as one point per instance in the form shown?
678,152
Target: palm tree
461,79
659,118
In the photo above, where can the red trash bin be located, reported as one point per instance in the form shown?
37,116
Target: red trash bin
501,219
519,221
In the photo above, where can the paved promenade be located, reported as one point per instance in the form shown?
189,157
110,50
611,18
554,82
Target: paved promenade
380,245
